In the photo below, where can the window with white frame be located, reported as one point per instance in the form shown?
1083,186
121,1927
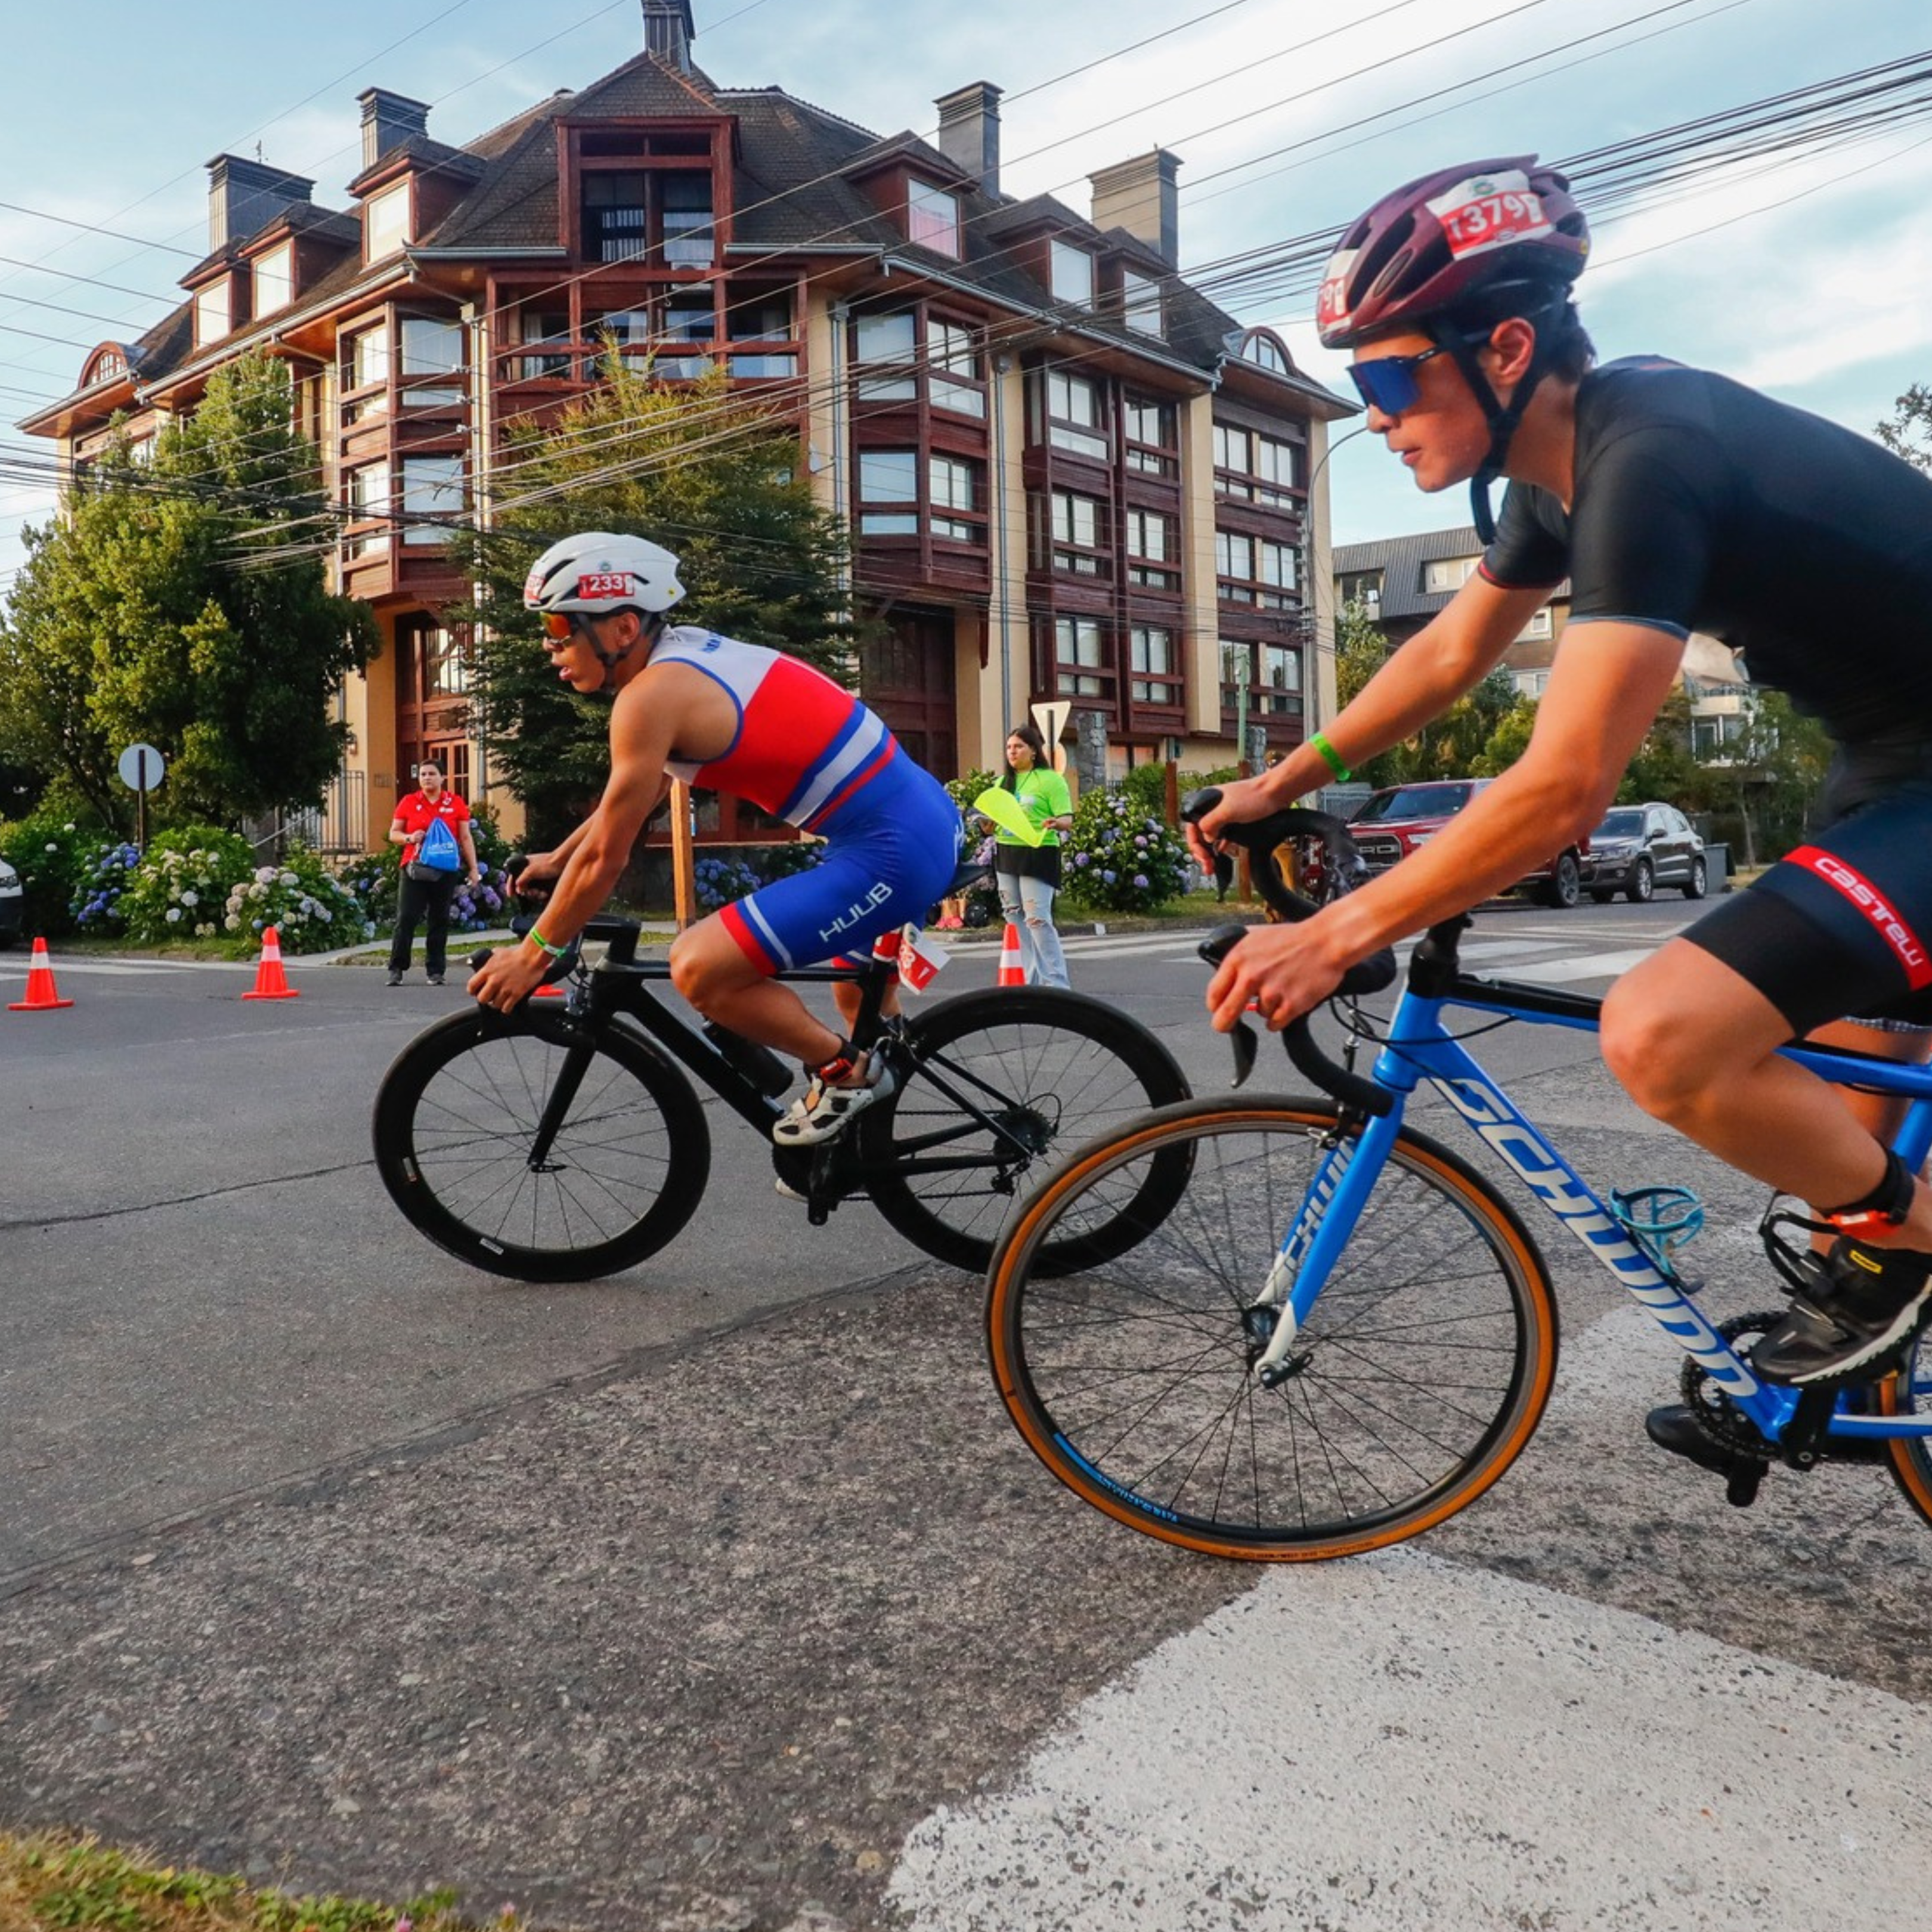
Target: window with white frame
274,280
1080,656
1074,525
1233,459
885,349
367,491
1277,691
1277,472
952,365
1151,659
432,349
1448,573
1072,274
365,372
1153,550
953,484
932,218
1279,571
213,319
1140,302
1539,629
888,492
385,221
432,488
1074,420
1147,432
1235,566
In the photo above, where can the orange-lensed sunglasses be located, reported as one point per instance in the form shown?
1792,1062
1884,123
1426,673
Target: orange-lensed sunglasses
563,624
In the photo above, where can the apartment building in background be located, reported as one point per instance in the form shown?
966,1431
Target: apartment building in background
1066,473
1401,582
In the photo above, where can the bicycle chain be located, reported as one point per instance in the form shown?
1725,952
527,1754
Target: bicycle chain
1712,1410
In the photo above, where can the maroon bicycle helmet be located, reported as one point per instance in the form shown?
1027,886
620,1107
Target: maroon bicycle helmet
1422,251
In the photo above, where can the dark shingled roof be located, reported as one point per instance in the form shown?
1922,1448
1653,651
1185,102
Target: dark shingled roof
1401,560
437,156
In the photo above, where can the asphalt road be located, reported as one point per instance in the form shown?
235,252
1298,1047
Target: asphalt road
721,1593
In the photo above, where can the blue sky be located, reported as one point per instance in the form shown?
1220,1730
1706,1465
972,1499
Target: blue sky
1813,279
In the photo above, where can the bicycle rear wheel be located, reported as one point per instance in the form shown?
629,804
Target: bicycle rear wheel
456,1124
1910,1393
1000,1085
1416,1380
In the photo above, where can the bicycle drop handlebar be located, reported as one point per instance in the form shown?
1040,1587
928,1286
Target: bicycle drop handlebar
1341,862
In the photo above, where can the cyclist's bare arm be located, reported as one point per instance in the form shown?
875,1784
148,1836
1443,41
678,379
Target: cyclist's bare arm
1608,682
1451,655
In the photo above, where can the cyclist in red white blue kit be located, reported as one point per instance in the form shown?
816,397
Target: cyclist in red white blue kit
739,718
1674,500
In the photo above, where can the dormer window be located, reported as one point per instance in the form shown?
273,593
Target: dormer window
385,221
662,214
274,279
1072,274
213,317
932,218
1140,302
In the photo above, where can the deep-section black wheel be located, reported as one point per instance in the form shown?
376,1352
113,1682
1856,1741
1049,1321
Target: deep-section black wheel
458,1122
1413,1384
1003,1085
1642,886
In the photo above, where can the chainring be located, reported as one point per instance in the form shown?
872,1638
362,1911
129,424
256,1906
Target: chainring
1712,1410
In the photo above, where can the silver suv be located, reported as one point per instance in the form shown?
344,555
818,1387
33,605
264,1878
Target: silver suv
1638,847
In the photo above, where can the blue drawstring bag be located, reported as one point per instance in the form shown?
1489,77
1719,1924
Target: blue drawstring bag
438,853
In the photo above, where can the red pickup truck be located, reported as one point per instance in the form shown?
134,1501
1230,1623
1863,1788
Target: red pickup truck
1391,824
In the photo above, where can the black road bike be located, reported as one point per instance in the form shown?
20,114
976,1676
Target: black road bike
562,1142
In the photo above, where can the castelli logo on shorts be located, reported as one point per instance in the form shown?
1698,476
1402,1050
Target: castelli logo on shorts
1854,885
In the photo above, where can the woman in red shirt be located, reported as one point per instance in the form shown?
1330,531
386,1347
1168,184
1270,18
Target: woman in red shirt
415,812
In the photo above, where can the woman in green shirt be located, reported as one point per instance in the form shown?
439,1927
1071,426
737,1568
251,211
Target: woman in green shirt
1029,875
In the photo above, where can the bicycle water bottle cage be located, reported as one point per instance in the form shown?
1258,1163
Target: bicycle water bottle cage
1660,1220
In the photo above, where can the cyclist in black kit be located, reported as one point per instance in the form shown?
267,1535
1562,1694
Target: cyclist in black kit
1674,500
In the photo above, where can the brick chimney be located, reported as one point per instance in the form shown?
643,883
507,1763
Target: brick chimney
1140,195
969,131
668,32
388,120
243,194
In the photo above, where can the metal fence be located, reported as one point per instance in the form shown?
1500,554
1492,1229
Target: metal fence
339,826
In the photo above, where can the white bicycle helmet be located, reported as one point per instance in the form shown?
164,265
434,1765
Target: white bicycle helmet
595,573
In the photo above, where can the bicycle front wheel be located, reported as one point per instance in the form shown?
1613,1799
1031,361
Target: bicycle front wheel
1000,1086
464,1146
1910,1393
1421,1371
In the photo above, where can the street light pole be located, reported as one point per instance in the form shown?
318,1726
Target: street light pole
1311,680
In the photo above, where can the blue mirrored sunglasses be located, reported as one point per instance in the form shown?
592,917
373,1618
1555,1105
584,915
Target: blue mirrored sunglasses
1387,383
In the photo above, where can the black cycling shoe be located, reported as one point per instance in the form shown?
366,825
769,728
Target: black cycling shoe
1870,1301
1675,1427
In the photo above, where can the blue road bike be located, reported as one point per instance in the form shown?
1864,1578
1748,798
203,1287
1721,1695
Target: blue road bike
1341,1333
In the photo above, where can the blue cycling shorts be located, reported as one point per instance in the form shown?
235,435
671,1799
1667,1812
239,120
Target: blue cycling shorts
890,854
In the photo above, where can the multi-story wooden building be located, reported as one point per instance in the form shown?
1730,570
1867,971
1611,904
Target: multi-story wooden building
1066,473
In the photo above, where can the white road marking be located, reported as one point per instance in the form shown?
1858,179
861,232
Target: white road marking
1400,1744
1590,966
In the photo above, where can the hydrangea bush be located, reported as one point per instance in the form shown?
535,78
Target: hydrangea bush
1120,857
54,852
180,889
311,909
719,881
374,879
96,906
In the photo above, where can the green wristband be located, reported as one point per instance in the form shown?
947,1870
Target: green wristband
1330,758
537,939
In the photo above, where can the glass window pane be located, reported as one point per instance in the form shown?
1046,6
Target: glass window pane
932,218
274,280
1072,274
432,487
888,476
385,220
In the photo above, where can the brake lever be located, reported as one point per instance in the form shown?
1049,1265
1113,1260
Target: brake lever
1246,1046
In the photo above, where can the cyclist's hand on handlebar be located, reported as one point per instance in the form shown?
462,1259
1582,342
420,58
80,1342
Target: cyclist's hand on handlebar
507,977
1241,800
1284,971
533,877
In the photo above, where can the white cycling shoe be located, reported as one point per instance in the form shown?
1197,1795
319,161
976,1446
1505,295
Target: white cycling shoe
822,1110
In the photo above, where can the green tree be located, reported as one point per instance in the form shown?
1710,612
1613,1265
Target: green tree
1764,780
1907,431
185,603
1663,767
710,473
1508,741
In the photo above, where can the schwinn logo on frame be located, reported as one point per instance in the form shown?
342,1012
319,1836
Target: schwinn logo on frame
1854,885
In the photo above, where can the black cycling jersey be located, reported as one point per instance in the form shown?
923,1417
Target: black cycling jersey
1699,505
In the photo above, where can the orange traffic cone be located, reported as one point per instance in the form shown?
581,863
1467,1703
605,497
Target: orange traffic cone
271,982
549,993
1011,973
41,997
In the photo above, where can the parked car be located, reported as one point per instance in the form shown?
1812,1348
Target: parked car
13,904
1638,847
1391,824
